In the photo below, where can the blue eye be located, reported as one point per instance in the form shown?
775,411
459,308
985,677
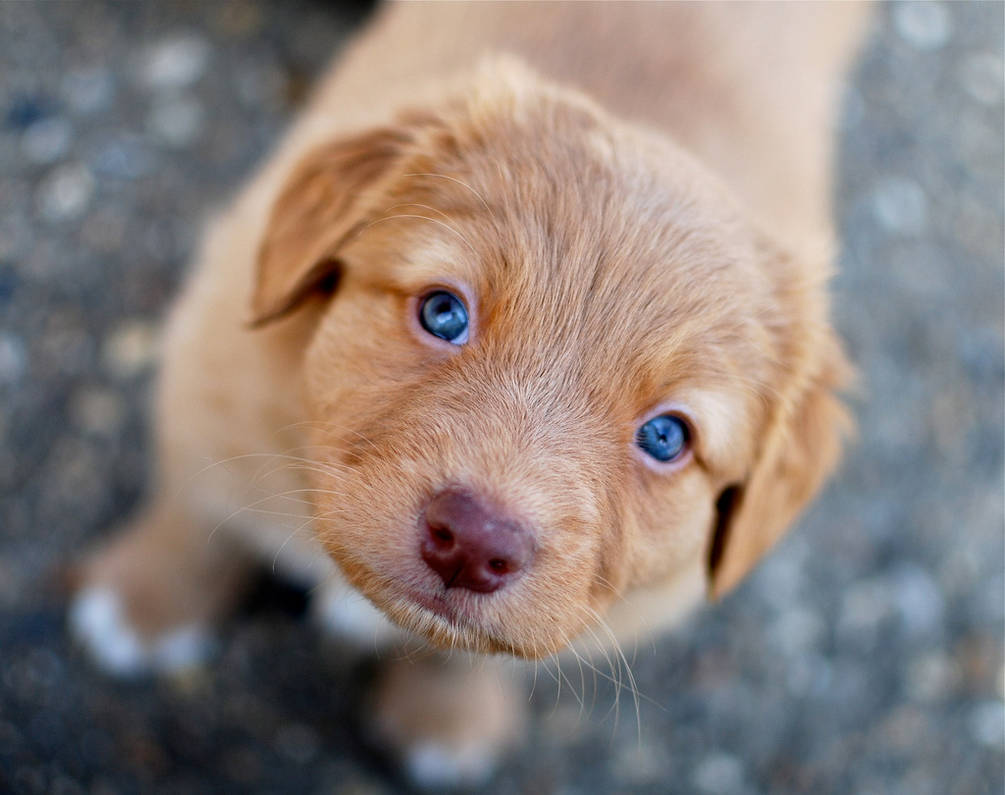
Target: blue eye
665,438
443,315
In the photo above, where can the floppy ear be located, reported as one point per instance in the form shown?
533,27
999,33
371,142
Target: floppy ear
328,196
800,449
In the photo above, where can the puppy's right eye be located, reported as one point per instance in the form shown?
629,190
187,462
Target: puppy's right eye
443,315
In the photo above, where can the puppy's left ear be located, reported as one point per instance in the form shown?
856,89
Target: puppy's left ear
799,449
327,198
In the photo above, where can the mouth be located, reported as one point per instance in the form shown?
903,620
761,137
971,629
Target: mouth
436,603
442,621
448,619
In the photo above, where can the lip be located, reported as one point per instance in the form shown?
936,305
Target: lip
442,610
434,603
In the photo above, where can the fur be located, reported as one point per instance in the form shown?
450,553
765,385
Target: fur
633,202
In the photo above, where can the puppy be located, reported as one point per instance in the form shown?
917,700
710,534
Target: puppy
519,341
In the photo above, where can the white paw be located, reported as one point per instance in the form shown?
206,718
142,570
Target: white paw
435,766
348,615
98,622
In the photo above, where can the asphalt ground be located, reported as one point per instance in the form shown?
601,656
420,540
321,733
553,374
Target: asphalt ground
865,656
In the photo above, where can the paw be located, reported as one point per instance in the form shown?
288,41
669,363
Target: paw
434,766
346,614
448,723
98,621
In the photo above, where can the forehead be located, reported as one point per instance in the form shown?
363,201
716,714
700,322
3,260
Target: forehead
583,244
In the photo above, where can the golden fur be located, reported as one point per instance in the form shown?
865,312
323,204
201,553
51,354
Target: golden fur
633,201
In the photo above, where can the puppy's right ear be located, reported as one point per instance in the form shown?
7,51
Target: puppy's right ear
329,195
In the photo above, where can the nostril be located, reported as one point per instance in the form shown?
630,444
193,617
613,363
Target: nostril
441,535
499,566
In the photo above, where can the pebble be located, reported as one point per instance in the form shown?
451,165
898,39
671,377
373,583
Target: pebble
46,141
924,25
566,723
88,90
65,786
176,120
960,569
978,227
13,360
161,239
718,773
79,473
129,349
904,728
864,607
931,677
918,600
298,742
797,631
28,779
261,84
124,156
641,763
65,193
239,19
982,75
355,784
981,352
950,422
978,140
9,734
989,602
987,723
97,410
848,684
24,110
243,765
808,673
175,62
104,230
11,586
900,205
15,236
781,579
65,347
44,670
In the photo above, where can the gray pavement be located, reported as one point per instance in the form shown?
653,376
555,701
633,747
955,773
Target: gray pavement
864,657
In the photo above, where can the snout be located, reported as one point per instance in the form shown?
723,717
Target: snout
471,544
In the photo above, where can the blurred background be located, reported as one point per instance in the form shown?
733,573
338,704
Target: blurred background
864,656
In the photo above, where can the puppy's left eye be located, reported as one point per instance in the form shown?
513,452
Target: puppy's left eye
665,438
443,315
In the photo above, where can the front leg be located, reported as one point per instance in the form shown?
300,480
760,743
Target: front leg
449,721
149,599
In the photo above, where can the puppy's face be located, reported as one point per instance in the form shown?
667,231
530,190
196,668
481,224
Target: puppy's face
557,365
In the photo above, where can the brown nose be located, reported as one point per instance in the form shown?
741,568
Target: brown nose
471,546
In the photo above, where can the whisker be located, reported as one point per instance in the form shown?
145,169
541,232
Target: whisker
460,182
636,695
446,226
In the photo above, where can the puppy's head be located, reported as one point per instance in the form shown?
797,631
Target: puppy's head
557,365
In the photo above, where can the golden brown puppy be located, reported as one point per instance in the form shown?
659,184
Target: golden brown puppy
521,338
